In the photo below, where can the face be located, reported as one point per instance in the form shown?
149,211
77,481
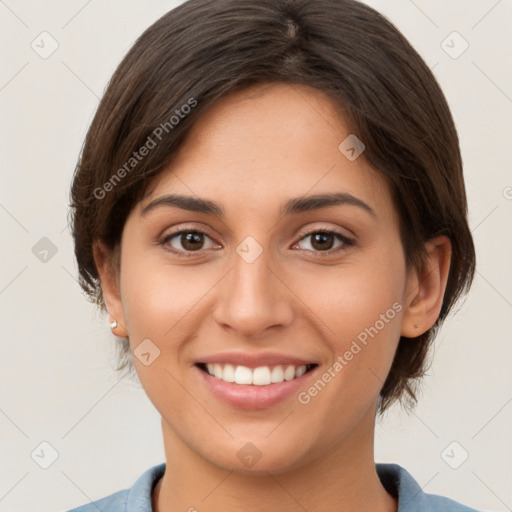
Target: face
263,252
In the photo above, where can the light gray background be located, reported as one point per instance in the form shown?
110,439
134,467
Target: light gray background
56,378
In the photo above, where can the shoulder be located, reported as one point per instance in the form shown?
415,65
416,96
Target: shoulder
135,499
411,497
441,503
114,503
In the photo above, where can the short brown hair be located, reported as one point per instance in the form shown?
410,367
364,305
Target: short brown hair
202,50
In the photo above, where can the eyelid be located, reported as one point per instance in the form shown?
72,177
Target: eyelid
325,229
172,231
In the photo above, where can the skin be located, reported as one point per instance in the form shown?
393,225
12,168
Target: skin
250,153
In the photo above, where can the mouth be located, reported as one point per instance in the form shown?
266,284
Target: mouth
259,376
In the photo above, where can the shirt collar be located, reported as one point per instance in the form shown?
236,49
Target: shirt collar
400,483
139,497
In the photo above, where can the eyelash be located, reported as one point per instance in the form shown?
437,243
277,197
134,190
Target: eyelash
347,242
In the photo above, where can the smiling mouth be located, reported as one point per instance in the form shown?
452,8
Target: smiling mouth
260,376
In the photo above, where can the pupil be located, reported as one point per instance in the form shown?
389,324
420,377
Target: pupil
321,237
190,238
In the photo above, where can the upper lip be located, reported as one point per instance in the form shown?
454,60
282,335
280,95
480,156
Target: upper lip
254,360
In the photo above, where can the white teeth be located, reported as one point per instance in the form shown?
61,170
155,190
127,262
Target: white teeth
243,375
217,370
301,370
277,374
229,373
289,373
261,376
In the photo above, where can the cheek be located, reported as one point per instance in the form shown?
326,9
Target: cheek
161,300
359,310
352,297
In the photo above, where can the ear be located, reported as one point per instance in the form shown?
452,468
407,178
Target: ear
425,288
106,263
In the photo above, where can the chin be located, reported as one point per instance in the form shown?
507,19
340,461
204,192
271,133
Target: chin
259,457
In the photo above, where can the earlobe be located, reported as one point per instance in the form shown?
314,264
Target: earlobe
426,287
107,270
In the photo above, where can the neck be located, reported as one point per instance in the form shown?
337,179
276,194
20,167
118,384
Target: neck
343,478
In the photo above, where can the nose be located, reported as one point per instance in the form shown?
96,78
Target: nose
254,297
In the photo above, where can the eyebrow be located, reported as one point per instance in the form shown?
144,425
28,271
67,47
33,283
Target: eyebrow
295,205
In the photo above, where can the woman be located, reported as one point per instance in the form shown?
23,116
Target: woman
271,208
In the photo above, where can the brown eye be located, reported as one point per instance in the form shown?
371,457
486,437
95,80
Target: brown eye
325,240
186,241
191,241
322,241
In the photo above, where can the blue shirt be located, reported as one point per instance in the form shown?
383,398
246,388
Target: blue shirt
395,479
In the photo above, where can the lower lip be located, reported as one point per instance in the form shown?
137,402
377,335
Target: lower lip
247,396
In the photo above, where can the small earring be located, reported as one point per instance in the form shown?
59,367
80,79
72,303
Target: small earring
113,325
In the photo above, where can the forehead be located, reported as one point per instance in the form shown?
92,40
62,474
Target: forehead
271,142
